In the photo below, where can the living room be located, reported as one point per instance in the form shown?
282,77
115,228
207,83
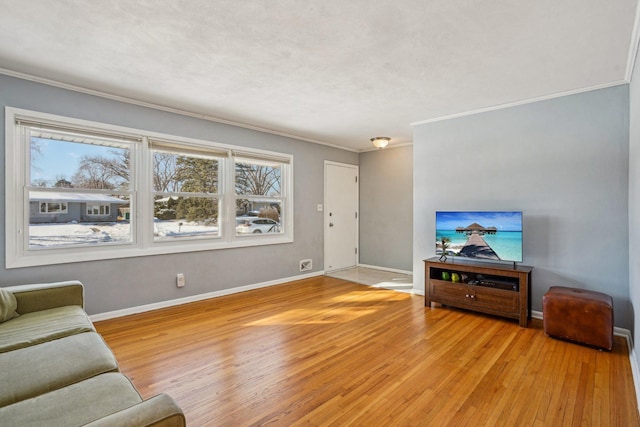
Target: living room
569,159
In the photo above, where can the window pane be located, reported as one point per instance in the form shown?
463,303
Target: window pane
54,207
257,179
258,217
179,217
183,173
64,164
70,223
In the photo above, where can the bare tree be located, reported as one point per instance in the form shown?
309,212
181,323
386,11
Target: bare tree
254,179
36,152
165,172
99,172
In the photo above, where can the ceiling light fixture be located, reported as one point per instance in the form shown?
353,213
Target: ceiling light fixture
380,141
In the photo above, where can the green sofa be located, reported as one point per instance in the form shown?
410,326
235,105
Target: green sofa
56,370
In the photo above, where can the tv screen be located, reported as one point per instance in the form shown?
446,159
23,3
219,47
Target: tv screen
490,235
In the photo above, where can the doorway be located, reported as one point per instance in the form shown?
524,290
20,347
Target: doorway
340,216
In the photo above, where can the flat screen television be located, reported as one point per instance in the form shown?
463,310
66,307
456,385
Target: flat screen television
485,235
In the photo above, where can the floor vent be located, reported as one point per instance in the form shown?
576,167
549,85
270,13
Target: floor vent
306,265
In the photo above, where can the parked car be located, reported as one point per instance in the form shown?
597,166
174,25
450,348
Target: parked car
256,225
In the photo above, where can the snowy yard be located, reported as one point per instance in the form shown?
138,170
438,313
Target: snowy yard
71,234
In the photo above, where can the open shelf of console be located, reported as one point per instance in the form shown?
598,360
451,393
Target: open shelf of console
491,288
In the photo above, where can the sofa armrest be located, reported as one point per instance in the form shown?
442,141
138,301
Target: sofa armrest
44,296
158,411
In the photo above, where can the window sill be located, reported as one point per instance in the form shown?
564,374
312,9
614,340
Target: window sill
84,254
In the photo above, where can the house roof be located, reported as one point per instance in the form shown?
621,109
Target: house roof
59,196
335,72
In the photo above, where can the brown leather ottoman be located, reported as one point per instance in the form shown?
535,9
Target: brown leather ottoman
579,315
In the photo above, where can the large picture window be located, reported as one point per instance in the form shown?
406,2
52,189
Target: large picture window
96,191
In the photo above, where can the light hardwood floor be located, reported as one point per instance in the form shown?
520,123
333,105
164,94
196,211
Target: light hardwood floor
324,351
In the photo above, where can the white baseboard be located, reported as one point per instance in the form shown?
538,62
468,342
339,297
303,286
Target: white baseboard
633,360
634,366
170,303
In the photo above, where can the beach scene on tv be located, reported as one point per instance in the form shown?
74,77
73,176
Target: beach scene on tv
481,235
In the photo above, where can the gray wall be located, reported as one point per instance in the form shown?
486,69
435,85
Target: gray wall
563,162
122,283
386,208
634,203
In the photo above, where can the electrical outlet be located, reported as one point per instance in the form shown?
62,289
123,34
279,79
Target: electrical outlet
180,280
306,265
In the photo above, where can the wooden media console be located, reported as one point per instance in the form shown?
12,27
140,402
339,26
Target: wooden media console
491,288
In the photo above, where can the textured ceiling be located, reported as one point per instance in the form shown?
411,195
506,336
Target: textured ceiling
336,72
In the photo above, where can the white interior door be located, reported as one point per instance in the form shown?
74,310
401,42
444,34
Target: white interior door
340,216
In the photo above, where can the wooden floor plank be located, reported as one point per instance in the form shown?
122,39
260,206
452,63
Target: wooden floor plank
324,351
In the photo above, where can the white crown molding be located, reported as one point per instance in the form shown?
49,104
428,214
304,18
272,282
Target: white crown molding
518,103
633,46
164,108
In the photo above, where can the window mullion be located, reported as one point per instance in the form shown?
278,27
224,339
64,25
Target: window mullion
143,195
228,199
23,171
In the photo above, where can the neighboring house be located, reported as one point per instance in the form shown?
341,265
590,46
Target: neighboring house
62,207
250,206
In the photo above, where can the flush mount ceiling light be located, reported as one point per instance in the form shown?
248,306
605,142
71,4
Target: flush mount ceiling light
380,141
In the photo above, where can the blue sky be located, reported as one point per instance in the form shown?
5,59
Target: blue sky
61,158
504,221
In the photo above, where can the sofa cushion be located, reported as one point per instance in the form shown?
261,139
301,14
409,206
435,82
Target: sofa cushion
41,326
157,411
45,367
8,305
73,405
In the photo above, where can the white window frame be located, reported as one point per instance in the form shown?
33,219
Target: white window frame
239,157
17,170
171,147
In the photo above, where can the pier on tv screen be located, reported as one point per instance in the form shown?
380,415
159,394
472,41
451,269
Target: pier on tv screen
487,235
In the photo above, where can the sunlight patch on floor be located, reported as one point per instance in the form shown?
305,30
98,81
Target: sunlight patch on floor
315,317
370,297
376,278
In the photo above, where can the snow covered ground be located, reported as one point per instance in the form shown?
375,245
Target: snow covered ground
71,234
177,228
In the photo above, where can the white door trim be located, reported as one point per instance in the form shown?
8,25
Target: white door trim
325,215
